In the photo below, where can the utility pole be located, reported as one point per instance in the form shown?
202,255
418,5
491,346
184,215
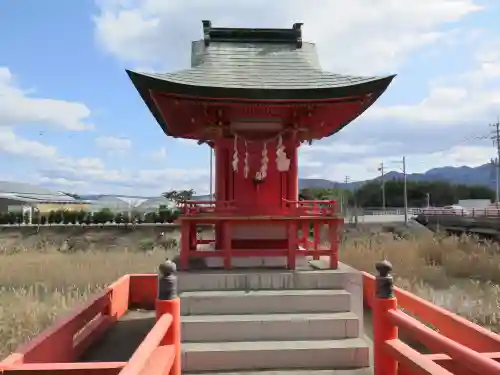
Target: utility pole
405,197
381,170
495,137
345,199
405,189
347,179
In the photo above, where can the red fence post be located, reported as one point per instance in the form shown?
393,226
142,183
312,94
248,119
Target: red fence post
383,329
168,302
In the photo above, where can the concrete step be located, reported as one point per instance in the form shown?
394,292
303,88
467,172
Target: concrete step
275,355
359,371
318,326
231,302
263,280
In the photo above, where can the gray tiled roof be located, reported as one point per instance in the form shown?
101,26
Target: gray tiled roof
31,193
280,66
24,188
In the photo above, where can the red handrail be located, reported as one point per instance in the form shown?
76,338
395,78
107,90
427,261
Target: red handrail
150,348
392,357
469,358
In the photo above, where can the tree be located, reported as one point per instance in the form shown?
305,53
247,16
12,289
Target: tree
179,195
73,195
440,193
323,194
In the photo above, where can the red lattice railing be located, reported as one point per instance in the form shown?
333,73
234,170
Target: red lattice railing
193,208
312,207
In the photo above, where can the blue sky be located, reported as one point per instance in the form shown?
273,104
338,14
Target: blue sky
71,120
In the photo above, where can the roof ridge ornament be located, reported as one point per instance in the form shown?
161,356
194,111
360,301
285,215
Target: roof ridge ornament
252,35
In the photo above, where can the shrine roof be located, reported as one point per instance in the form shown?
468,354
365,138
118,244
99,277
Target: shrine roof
270,71
260,64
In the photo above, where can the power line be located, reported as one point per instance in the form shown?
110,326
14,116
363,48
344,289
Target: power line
495,137
381,170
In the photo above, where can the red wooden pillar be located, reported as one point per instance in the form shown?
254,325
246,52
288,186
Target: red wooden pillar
333,234
305,234
383,328
317,234
220,188
292,244
193,236
227,245
293,174
185,245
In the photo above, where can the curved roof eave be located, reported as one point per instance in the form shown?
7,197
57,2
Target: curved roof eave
145,83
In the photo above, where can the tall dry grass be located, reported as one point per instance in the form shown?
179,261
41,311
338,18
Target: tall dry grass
41,281
458,273
37,287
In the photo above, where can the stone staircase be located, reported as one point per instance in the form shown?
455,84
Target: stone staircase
273,321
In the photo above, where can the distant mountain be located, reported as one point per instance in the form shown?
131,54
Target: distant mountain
482,175
317,183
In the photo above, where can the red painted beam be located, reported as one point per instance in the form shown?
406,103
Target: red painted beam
411,361
454,366
79,368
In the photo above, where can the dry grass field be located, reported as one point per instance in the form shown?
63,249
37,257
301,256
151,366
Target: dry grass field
43,275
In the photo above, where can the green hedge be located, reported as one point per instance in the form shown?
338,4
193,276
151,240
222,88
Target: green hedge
163,215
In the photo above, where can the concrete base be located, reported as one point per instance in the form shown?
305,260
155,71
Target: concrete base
251,262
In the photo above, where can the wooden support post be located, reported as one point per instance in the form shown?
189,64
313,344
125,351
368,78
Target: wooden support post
185,245
305,234
316,238
333,231
168,302
228,236
292,244
383,328
192,236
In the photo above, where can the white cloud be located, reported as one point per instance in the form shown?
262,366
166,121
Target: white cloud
160,154
384,32
114,144
12,144
93,176
187,142
61,182
468,97
87,173
343,149
20,107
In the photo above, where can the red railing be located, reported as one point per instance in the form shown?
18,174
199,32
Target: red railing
298,218
298,208
58,348
315,207
472,213
458,346
295,244
193,208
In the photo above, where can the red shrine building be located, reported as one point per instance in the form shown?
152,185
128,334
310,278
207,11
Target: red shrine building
254,96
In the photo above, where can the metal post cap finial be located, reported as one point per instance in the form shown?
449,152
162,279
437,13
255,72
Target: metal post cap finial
167,281
384,268
167,268
384,282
